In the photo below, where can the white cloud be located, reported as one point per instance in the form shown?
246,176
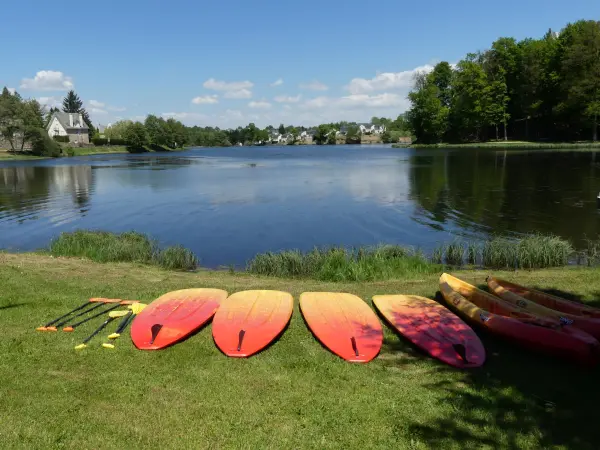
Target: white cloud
98,111
314,86
96,104
205,100
116,108
11,90
240,93
50,102
288,107
276,83
385,100
386,81
259,105
287,99
48,80
217,85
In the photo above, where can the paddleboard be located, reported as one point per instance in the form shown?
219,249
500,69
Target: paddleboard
248,321
344,324
433,328
174,316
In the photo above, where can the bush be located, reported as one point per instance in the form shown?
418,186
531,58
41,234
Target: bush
101,246
340,264
70,151
42,144
98,141
61,138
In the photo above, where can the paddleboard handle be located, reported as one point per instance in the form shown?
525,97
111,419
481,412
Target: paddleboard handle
240,339
155,330
354,347
462,351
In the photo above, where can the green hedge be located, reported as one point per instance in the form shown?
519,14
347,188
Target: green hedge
97,141
61,138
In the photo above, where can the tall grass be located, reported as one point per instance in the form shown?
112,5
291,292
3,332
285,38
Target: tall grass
531,252
341,264
101,246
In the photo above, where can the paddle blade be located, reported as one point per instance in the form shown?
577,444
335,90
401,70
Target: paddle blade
51,329
80,346
116,314
41,329
111,346
114,336
137,308
68,329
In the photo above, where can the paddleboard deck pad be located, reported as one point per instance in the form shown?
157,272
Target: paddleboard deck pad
174,316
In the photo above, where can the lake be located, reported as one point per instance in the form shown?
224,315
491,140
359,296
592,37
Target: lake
227,204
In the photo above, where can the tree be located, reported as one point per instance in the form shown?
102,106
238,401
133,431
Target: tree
72,103
136,136
156,130
428,116
281,129
11,125
441,77
353,135
294,132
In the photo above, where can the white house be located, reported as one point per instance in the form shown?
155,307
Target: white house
369,128
69,124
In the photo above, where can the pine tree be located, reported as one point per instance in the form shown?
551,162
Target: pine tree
72,103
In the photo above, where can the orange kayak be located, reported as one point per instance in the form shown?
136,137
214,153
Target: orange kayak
583,317
504,319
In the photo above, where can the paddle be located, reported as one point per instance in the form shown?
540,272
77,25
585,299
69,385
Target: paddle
111,316
120,303
99,302
136,308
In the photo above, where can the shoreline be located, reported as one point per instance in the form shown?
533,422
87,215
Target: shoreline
515,145
5,155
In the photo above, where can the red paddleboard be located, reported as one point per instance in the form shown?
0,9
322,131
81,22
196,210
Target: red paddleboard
433,328
248,321
174,316
344,324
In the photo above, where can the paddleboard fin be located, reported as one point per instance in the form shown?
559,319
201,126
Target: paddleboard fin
354,347
155,330
240,339
461,351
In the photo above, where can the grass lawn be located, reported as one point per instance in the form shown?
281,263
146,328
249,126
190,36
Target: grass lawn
6,156
293,395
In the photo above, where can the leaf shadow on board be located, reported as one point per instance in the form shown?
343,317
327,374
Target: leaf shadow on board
516,397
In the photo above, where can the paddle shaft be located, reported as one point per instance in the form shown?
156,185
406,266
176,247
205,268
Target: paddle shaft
124,322
95,315
98,330
98,305
85,305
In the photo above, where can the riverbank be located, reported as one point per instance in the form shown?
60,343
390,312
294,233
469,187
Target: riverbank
195,396
68,151
512,145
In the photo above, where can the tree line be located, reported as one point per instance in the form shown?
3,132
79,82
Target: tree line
534,89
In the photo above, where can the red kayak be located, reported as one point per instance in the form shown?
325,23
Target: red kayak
174,316
433,328
542,334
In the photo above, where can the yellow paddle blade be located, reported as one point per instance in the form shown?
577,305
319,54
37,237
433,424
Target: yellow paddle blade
80,346
137,308
111,346
114,335
41,329
115,314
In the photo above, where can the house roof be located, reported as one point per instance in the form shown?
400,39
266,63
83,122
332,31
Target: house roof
63,118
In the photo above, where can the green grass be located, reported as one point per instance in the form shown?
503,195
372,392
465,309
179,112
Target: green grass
513,145
295,394
101,246
108,149
341,264
5,155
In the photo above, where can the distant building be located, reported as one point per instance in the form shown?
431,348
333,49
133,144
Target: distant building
369,128
69,124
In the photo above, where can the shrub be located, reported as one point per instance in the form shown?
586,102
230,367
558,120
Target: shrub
61,138
98,141
176,258
341,264
42,144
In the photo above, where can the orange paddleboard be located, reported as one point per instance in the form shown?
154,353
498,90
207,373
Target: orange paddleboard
344,324
174,316
433,328
248,321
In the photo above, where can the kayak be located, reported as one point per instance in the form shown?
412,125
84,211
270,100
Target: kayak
543,334
570,313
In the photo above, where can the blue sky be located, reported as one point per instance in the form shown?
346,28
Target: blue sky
231,62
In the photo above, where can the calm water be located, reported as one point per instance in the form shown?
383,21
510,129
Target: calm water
229,204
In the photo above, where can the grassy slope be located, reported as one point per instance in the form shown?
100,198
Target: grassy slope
295,394
6,156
